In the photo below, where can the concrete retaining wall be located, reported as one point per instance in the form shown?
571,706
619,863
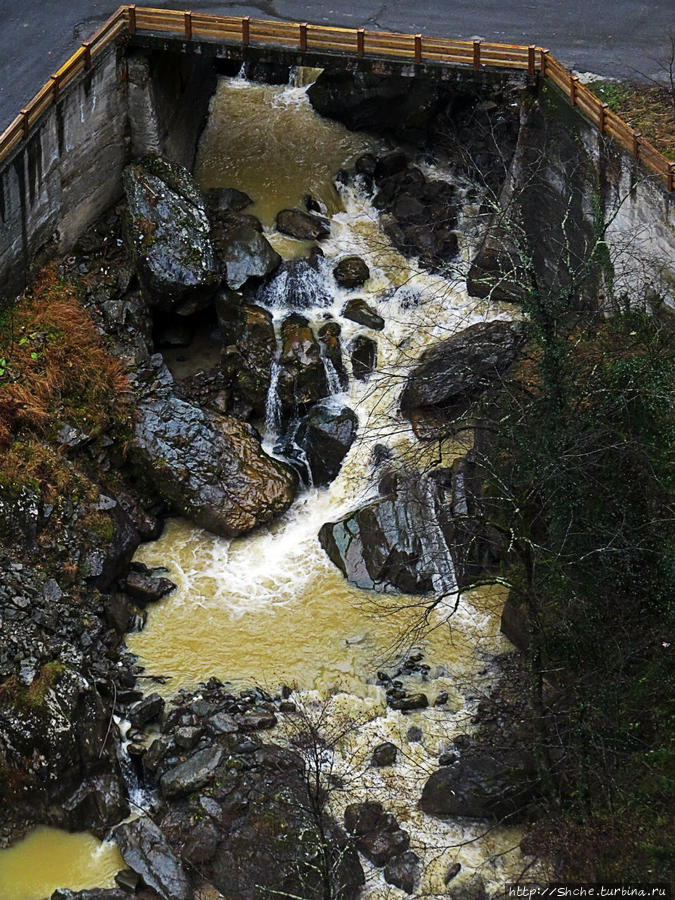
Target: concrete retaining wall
69,171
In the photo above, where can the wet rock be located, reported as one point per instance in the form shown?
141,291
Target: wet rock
222,723
168,235
145,587
384,755
329,337
297,284
302,225
390,164
160,747
395,543
410,701
193,774
128,880
497,274
363,353
403,871
471,888
149,709
441,698
414,734
225,200
187,736
358,311
384,104
302,377
351,272
453,872
366,164
245,253
258,721
320,442
208,467
248,360
453,373
377,833
96,804
482,784
145,850
201,846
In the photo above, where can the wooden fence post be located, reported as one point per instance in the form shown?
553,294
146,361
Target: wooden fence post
530,60
246,30
303,37
574,81
637,136
87,54
603,112
25,123
188,25
55,86
476,54
418,48
544,58
361,41
132,18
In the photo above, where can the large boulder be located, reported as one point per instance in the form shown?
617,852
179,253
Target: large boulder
192,774
453,373
363,352
167,231
208,467
320,441
358,311
250,350
302,225
302,376
245,253
395,543
297,284
145,850
482,784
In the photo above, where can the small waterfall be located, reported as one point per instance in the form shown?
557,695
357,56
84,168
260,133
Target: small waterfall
139,798
332,378
273,402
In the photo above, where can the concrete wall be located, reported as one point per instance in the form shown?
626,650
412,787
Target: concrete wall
54,186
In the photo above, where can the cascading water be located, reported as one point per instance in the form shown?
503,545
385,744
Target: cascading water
273,410
270,608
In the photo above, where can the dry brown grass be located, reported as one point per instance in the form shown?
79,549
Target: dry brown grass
55,367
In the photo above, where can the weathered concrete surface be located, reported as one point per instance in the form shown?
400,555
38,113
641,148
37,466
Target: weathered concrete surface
69,172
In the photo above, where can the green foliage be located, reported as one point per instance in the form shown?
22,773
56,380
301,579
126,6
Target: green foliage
582,472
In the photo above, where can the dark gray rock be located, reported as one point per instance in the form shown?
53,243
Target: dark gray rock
403,871
384,754
95,894
168,235
455,372
410,701
363,353
98,799
320,441
145,850
208,467
245,253
226,200
482,784
248,358
377,833
302,376
222,723
395,543
187,736
149,709
351,272
302,225
145,587
358,310
192,774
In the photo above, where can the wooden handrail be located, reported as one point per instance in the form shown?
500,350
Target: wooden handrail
360,43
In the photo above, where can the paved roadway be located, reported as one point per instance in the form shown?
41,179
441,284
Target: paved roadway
611,37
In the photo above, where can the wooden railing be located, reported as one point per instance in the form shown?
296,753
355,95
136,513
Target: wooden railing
303,37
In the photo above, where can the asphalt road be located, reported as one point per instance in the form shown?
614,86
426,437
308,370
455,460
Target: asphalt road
610,37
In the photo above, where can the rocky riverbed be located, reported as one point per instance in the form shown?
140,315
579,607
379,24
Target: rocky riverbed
232,636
